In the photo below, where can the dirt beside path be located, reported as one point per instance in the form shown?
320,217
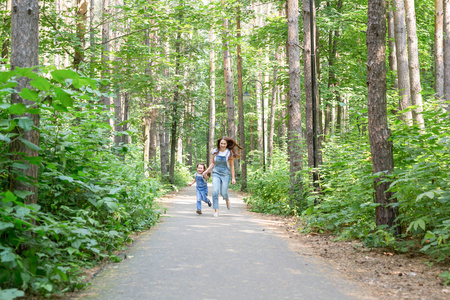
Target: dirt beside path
387,275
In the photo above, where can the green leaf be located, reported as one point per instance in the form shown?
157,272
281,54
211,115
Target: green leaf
20,166
5,76
41,83
7,255
10,294
4,138
5,105
78,83
17,109
62,75
71,250
9,197
4,225
23,194
69,179
26,93
65,98
25,123
421,223
29,144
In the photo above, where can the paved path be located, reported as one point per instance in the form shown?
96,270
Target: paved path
190,256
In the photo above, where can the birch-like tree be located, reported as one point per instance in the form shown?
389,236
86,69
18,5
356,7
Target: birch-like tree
402,60
414,66
439,48
295,117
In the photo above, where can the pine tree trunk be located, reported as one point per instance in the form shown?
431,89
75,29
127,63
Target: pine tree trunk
231,132
175,113
414,66
81,19
379,133
402,60
295,119
439,48
272,111
126,115
212,95
92,37
447,53
105,48
391,42
24,54
243,160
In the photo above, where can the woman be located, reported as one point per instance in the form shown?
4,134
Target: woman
222,166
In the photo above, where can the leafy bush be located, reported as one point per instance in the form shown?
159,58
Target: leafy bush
89,197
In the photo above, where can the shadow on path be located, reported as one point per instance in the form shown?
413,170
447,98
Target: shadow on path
190,256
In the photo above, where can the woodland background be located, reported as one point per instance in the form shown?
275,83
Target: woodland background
128,96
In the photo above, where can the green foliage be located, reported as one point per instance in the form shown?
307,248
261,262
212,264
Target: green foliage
270,190
90,196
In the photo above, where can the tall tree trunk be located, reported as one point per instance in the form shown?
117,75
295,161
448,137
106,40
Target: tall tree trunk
447,52
402,60
414,66
105,49
175,113
92,37
379,133
439,48
212,95
125,116
81,19
308,84
391,42
295,118
231,132
272,111
243,160
24,54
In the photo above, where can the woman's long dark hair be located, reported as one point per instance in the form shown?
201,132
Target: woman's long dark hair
232,146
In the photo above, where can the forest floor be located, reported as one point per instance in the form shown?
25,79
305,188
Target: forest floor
388,275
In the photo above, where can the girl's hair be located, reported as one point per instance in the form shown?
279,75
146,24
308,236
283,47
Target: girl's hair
202,164
204,169
232,146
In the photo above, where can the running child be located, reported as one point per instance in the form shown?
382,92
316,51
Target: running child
202,187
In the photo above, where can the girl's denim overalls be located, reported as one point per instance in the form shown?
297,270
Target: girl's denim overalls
221,176
202,190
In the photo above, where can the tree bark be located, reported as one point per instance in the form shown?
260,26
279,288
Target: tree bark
391,43
105,50
294,122
379,133
447,53
402,60
414,66
212,95
243,160
439,48
24,54
231,132
272,110
175,113
308,84
81,19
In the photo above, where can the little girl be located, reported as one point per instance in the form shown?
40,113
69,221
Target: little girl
202,188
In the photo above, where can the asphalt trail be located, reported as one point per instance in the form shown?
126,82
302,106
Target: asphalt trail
190,256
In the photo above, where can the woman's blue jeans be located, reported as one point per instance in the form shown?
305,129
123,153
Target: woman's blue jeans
220,185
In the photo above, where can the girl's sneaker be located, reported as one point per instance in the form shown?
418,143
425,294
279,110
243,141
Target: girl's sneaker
199,211
209,203
216,214
228,204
